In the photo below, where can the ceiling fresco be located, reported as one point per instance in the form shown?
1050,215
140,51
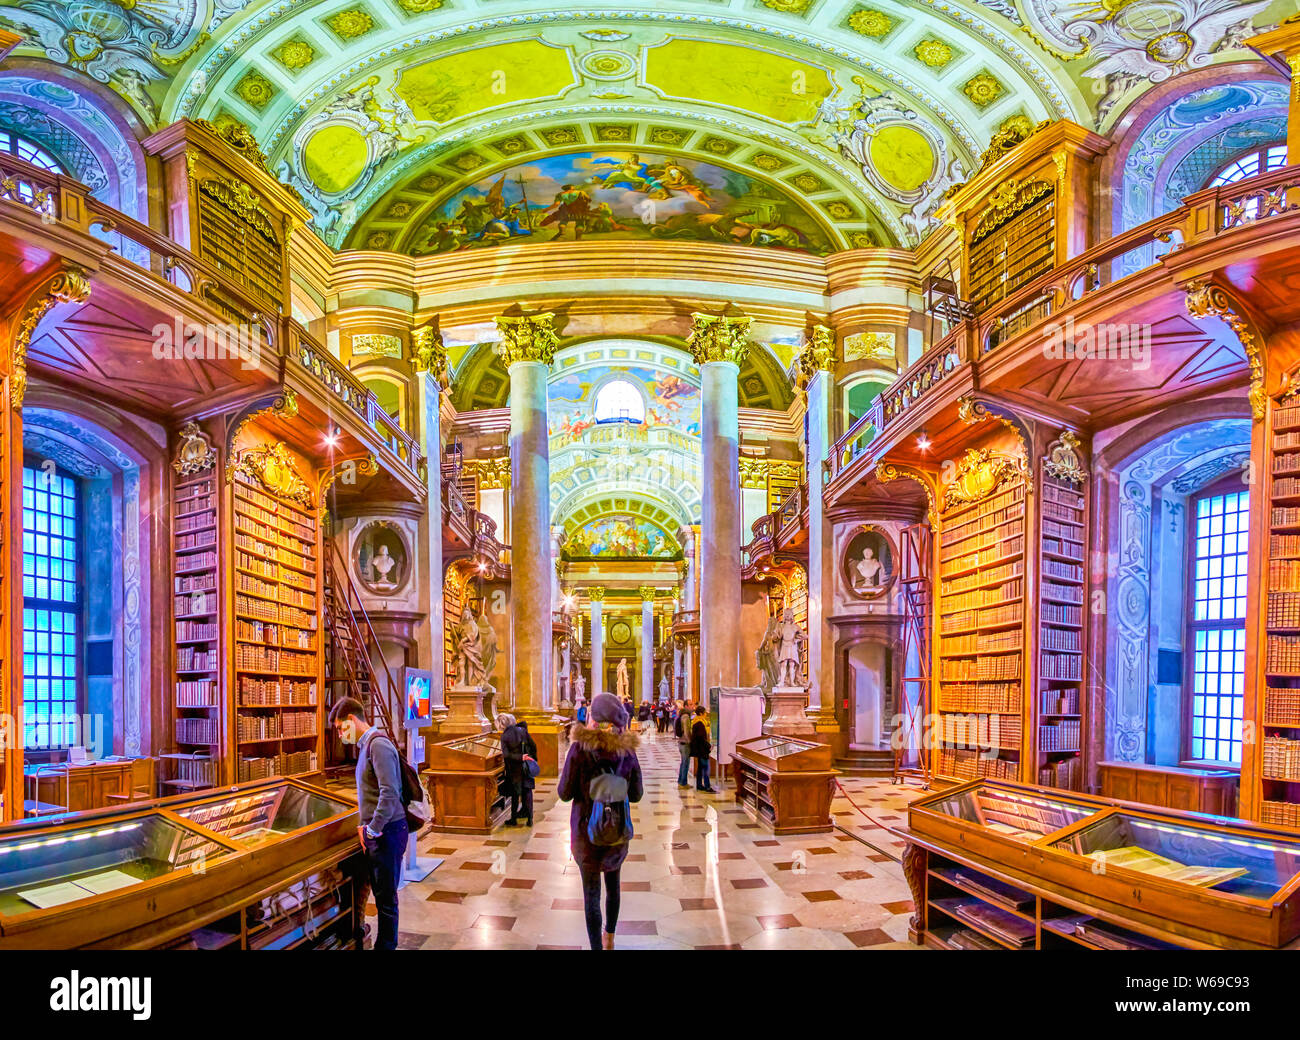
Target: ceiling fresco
856,115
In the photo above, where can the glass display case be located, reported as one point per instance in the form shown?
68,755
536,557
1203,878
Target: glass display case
38,872
466,778
1015,814
1254,867
255,817
785,783
1096,872
785,753
253,865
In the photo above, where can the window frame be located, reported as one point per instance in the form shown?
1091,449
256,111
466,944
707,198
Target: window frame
10,141
1229,484
32,753
1259,152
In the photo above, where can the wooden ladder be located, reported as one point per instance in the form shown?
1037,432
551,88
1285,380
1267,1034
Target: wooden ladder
914,579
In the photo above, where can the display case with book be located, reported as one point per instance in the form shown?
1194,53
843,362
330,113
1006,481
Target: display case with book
466,780
785,783
270,865
1025,867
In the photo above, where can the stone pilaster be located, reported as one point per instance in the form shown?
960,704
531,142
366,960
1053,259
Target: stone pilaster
647,593
719,345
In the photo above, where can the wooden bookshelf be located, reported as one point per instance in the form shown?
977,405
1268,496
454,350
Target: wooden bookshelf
1013,245
979,663
1061,575
276,586
198,716
1279,769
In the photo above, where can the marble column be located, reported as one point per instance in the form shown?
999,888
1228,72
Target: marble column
429,360
719,345
597,595
815,374
527,347
688,535
647,642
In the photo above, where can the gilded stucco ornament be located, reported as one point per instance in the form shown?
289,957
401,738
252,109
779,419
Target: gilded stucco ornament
430,355
816,354
1013,133
719,337
647,593
887,472
1064,460
528,337
274,469
195,452
596,593
979,474
366,467
71,285
970,411
490,473
283,406
1207,300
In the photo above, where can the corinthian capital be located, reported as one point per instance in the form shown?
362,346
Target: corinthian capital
646,592
719,337
529,337
596,593
429,353
817,354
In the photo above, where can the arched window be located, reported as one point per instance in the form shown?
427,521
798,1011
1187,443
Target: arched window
1216,620
32,153
619,401
1261,160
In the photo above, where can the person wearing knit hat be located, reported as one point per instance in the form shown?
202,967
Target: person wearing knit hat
604,745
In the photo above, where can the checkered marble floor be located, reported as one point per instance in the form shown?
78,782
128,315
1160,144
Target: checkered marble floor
701,875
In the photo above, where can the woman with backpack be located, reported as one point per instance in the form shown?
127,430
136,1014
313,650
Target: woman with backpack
602,777
518,750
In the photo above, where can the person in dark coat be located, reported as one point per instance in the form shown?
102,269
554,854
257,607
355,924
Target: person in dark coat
516,746
604,740
700,748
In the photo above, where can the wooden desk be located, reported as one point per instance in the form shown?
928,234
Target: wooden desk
1212,791
78,787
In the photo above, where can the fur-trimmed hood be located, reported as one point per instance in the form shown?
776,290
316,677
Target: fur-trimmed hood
604,739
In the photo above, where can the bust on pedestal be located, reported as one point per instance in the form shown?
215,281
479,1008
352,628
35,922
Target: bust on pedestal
787,699
465,698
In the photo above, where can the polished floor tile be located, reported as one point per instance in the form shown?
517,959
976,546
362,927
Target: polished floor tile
701,875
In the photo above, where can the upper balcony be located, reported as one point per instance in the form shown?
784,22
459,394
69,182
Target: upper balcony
141,282
468,533
782,533
1131,289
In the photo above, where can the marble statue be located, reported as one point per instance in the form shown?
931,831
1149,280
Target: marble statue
621,679
663,687
868,572
382,565
790,637
579,689
468,653
488,642
765,655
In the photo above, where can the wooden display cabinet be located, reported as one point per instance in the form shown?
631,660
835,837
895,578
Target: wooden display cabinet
785,783
994,864
271,865
1211,791
466,778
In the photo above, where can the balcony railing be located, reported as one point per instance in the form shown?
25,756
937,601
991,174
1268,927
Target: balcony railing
57,199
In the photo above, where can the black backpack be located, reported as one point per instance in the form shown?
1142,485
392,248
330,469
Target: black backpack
611,812
414,799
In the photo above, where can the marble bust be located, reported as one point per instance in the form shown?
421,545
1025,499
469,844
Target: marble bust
867,572
382,565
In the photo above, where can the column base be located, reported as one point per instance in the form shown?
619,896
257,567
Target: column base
785,713
550,733
826,727
465,716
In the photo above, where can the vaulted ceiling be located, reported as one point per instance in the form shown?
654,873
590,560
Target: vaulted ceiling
813,124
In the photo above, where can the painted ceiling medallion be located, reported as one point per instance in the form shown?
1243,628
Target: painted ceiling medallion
295,54
607,65
874,24
788,6
420,6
